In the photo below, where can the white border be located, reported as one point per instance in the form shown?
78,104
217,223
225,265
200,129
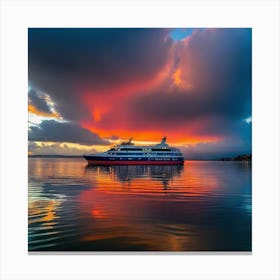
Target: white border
17,16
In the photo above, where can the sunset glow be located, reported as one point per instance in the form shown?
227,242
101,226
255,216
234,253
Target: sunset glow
191,85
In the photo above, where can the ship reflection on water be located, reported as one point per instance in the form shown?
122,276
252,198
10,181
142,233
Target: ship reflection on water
127,173
198,206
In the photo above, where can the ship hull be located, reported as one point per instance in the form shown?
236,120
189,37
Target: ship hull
133,161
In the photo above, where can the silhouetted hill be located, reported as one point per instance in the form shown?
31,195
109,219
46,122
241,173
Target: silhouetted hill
238,158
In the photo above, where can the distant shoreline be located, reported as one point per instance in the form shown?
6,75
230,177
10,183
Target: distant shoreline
236,158
54,156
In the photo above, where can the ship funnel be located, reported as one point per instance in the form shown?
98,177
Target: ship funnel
163,140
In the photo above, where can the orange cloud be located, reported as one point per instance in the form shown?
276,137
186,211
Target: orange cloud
139,134
182,78
32,109
103,100
177,77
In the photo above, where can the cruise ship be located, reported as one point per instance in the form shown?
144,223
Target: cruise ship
128,153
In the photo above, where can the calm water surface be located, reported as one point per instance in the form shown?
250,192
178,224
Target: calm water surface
201,206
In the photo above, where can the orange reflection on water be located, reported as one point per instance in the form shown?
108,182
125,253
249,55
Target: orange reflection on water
98,214
198,183
161,208
122,197
43,211
154,180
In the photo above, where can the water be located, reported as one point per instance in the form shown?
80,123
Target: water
201,206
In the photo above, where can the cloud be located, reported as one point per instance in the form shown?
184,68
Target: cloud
215,93
139,82
217,65
38,101
56,149
68,62
52,131
216,150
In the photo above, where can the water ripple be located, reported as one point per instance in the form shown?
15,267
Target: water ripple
198,206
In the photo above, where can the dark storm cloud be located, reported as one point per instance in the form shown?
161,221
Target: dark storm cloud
38,101
63,62
218,65
238,141
211,151
178,107
52,131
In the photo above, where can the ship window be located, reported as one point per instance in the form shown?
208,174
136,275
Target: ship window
130,154
131,149
161,150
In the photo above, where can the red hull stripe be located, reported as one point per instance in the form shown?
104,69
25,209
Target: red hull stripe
134,162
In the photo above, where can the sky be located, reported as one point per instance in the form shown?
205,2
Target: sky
89,88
